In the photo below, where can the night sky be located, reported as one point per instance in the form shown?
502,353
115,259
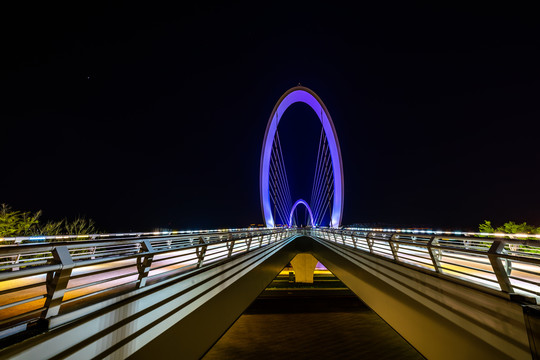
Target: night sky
153,117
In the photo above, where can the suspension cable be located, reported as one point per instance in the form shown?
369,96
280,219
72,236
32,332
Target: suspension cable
281,181
316,169
324,189
279,195
284,169
280,169
328,204
321,192
319,174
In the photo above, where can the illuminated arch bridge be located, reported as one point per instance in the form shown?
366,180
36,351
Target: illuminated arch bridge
326,203
452,295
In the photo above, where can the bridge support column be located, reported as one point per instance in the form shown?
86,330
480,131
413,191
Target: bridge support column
304,266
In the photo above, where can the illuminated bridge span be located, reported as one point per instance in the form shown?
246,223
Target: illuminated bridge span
147,295
449,296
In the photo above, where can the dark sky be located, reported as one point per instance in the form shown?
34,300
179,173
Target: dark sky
143,116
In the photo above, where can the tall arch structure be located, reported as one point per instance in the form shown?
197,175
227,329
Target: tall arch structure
303,202
309,97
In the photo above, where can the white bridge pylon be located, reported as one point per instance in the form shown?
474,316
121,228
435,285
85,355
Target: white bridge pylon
332,189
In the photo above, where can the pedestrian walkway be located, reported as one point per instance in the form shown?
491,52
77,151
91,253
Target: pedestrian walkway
310,322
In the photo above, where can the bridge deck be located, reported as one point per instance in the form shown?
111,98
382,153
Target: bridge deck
296,322
467,291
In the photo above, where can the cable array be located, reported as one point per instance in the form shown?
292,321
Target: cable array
279,185
322,192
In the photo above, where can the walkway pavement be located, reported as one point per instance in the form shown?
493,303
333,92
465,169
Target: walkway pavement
310,324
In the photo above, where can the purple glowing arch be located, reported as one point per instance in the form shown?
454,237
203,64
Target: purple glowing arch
300,201
307,96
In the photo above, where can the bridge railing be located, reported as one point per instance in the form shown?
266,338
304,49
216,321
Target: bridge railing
38,281
508,265
120,236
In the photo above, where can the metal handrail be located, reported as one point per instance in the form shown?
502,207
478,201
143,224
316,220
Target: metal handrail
503,264
462,234
71,271
45,238
38,280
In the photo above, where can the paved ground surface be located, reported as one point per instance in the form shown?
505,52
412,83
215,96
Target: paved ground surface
310,323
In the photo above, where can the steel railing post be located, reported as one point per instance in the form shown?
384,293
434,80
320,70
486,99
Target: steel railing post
230,246
18,256
248,241
200,251
369,242
394,247
57,281
494,253
16,261
434,254
144,263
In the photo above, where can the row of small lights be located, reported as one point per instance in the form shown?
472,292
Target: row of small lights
440,232
187,232
153,233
